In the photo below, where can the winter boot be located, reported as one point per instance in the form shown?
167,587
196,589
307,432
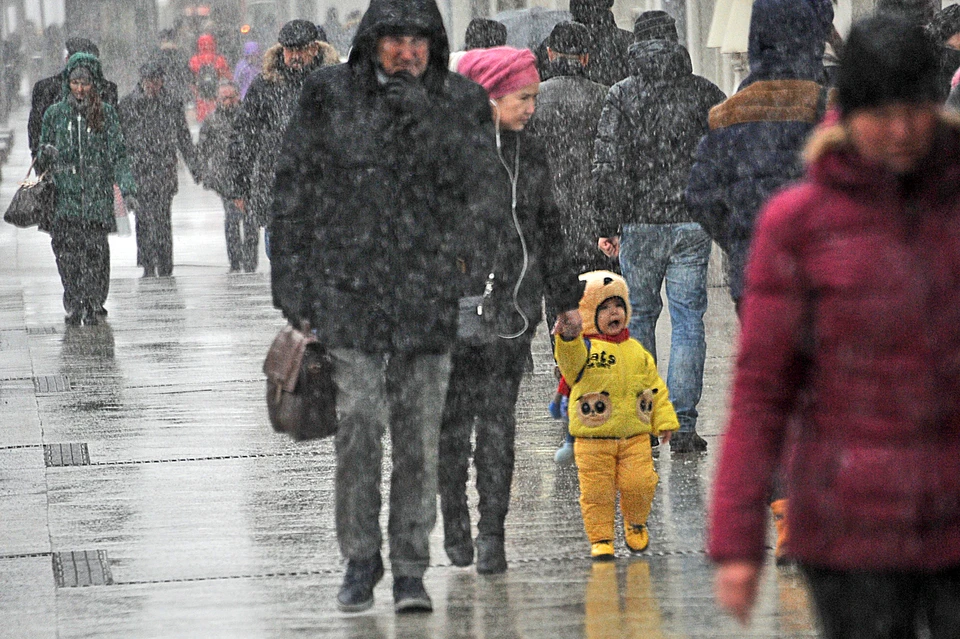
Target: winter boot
687,442
564,454
779,510
602,550
460,551
637,537
356,592
409,595
491,558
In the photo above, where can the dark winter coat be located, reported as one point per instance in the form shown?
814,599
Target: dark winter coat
753,147
88,163
154,129
213,150
647,138
47,92
379,193
608,58
565,124
264,113
849,365
551,271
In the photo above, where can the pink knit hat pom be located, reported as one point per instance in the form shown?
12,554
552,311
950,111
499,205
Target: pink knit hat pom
500,70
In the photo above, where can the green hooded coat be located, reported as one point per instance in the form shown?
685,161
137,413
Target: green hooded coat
88,163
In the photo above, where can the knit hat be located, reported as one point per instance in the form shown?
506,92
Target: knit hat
887,59
81,45
570,38
600,286
297,34
81,73
483,34
916,11
655,25
587,11
500,70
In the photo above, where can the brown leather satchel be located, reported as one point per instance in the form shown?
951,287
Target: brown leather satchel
301,396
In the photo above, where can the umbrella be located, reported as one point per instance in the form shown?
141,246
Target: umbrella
527,28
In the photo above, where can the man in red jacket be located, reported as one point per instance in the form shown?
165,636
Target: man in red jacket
849,362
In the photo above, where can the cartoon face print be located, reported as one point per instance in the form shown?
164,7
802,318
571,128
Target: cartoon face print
645,405
594,409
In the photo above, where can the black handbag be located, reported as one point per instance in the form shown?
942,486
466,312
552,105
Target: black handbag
301,396
33,203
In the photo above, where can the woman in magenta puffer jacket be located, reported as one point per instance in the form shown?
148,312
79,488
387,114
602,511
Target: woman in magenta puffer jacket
849,362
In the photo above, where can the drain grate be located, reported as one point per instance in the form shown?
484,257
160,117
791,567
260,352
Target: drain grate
66,455
82,568
46,384
41,330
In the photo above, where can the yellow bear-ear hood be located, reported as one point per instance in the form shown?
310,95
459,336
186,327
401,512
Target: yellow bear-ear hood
600,286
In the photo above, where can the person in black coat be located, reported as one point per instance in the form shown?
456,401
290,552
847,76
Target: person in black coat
608,62
529,261
49,91
380,194
646,143
565,123
155,128
265,110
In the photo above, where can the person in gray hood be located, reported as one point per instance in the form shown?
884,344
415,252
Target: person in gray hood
646,143
378,201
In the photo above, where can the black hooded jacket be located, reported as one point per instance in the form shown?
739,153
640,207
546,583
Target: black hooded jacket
379,202
647,138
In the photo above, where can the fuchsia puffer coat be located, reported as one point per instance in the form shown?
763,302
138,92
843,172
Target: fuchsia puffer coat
849,365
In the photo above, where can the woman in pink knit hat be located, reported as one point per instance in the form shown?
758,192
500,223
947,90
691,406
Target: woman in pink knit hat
528,262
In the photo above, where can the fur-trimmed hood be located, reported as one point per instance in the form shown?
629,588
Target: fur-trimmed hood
274,70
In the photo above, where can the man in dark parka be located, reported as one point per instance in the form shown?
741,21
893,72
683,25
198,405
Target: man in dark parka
155,128
377,192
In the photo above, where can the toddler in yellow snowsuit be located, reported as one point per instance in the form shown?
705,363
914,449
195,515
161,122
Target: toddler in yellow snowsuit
617,400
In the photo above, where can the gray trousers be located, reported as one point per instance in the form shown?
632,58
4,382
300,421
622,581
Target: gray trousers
403,393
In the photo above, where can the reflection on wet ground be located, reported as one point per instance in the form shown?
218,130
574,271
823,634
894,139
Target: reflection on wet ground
199,521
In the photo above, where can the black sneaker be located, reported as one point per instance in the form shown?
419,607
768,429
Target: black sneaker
356,591
409,595
689,442
491,558
460,552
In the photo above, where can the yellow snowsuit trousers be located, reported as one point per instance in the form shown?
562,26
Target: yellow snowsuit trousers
607,466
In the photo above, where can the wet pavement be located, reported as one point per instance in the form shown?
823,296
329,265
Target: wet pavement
143,493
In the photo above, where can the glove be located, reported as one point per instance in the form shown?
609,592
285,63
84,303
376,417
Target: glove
130,201
559,406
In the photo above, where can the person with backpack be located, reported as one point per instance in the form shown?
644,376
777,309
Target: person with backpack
209,68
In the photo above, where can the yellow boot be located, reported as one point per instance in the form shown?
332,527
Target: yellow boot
637,537
782,549
602,550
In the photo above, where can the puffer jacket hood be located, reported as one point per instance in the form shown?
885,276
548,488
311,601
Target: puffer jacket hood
274,70
787,39
659,59
385,16
206,45
600,286
91,63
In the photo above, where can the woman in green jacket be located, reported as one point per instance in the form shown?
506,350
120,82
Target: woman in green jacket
82,144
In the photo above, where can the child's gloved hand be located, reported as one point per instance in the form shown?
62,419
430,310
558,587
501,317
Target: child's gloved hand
556,406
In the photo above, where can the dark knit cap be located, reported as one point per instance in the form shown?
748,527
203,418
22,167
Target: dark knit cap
297,34
570,38
887,59
151,70
655,25
586,11
945,24
917,11
484,34
81,45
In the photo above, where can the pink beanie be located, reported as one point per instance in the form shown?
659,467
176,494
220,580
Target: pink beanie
500,70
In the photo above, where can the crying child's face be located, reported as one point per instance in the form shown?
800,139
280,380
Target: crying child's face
612,316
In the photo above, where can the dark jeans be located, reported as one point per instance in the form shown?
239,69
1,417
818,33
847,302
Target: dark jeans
484,383
83,260
402,393
155,234
243,237
882,605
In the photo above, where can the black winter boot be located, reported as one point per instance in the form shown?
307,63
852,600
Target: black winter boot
689,442
409,595
356,591
491,558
